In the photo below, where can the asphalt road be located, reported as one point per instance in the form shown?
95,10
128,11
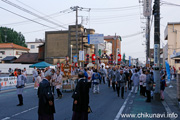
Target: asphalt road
105,105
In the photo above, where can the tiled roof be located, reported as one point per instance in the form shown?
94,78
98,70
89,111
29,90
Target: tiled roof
29,58
9,58
12,46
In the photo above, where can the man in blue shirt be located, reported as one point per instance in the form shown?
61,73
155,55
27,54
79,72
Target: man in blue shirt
95,80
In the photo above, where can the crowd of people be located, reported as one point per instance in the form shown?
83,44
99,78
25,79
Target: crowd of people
121,79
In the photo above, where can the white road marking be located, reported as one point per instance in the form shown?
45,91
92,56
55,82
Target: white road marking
168,110
122,108
7,118
25,111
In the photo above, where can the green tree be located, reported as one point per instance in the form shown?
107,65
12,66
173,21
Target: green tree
8,35
0,39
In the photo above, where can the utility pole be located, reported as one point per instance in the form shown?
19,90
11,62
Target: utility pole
76,8
115,56
148,40
156,13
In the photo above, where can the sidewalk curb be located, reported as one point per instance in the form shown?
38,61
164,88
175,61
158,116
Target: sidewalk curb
13,89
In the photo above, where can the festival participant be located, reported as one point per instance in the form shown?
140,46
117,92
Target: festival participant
42,74
89,74
148,86
113,78
10,72
35,74
109,70
129,80
38,79
81,99
15,72
25,72
126,72
58,84
162,87
120,83
53,78
135,79
103,74
142,80
46,105
20,86
95,80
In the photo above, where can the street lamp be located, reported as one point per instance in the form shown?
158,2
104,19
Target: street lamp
71,53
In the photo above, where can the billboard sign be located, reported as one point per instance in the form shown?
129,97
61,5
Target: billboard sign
95,38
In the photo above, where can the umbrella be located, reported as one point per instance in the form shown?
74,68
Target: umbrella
41,65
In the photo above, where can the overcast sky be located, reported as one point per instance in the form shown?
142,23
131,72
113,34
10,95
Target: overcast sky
124,21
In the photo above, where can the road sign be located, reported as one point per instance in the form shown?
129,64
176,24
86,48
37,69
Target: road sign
156,55
95,38
81,55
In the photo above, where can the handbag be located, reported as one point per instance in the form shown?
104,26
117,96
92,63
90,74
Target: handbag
89,109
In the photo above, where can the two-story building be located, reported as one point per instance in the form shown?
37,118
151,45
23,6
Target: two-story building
34,46
172,35
11,49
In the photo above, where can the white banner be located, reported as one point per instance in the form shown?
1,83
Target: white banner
147,8
81,55
8,81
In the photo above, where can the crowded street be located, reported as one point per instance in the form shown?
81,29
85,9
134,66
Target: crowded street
89,60
105,105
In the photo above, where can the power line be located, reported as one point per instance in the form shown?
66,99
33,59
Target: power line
34,14
114,10
38,11
27,21
115,17
117,21
27,18
168,3
132,35
117,8
41,30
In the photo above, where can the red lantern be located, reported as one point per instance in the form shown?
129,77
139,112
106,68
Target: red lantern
119,59
93,58
111,59
76,64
